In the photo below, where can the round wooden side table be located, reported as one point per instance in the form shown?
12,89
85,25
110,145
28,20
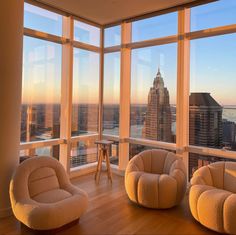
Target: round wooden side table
103,154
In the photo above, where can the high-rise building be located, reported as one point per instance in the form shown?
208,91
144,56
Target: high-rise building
157,124
205,125
229,134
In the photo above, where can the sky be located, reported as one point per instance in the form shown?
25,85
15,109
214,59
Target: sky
212,65
41,71
111,82
85,79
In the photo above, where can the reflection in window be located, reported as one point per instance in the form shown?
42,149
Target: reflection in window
42,20
113,36
85,92
111,90
86,33
155,27
41,91
213,98
153,93
214,14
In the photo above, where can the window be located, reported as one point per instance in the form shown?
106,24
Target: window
86,33
155,27
111,93
214,14
113,36
41,91
49,151
153,93
213,97
135,149
114,153
212,111
196,161
83,152
85,92
42,20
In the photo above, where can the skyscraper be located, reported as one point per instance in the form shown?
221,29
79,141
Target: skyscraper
205,124
157,124
229,134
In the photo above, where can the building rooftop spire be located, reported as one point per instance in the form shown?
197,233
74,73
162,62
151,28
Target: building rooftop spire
158,81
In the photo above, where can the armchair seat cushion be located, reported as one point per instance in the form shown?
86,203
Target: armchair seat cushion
54,195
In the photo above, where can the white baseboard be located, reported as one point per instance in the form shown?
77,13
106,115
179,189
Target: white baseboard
115,170
91,168
83,170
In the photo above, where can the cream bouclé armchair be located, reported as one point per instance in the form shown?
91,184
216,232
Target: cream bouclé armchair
156,179
42,196
212,196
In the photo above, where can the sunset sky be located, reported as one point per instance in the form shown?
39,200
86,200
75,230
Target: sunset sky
213,67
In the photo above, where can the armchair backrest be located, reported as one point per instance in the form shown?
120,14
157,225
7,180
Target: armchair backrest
35,176
230,176
221,175
156,161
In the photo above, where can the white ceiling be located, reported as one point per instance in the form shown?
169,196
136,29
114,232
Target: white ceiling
110,11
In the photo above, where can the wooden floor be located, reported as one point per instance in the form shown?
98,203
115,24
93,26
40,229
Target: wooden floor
110,212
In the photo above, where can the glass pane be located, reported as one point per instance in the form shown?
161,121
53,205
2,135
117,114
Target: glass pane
196,161
49,151
155,27
214,14
135,149
83,152
114,153
111,93
213,97
85,92
86,33
42,20
153,93
41,90
113,36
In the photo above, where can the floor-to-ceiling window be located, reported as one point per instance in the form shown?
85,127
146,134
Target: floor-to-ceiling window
41,89
212,101
153,81
85,95
151,51
111,88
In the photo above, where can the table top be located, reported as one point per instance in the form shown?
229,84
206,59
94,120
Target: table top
104,142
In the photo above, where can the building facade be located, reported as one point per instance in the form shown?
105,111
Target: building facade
157,124
205,126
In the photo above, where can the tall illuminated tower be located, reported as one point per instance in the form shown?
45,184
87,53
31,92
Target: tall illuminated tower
157,124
